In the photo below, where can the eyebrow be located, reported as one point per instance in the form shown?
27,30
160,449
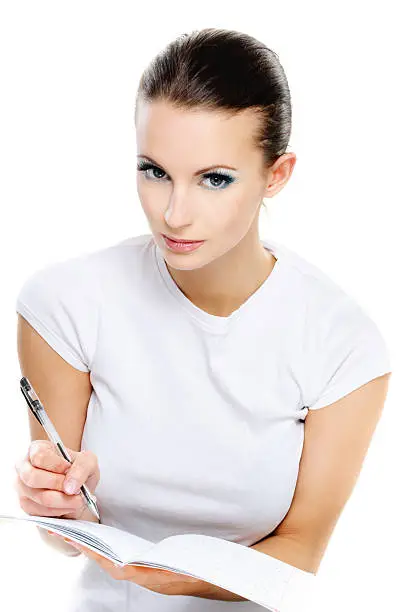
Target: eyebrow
195,173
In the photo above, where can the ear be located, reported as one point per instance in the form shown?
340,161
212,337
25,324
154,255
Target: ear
279,174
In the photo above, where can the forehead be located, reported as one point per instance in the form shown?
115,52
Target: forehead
163,128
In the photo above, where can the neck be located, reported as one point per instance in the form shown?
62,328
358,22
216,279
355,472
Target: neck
224,284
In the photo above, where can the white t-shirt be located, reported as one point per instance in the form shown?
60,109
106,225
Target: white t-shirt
197,420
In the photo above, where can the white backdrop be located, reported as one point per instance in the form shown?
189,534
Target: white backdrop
69,73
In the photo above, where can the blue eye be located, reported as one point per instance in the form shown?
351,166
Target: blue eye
222,176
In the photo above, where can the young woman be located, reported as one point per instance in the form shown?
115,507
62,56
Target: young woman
207,381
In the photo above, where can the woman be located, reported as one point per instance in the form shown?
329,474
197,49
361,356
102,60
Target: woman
220,382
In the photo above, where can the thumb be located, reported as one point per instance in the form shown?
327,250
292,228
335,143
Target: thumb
67,465
84,469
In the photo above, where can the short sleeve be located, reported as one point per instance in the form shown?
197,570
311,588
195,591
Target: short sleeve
58,302
351,352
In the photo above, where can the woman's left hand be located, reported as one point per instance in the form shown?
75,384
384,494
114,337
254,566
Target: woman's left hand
159,581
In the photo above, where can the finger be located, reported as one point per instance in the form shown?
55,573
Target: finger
84,465
106,564
75,544
31,507
43,454
39,478
78,546
46,499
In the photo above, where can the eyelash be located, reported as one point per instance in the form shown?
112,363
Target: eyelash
144,166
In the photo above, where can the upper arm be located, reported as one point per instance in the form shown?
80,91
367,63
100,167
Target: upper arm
336,440
63,390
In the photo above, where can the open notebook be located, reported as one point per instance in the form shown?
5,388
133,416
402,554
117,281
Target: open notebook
237,568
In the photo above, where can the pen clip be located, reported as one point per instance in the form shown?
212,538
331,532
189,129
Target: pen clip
24,388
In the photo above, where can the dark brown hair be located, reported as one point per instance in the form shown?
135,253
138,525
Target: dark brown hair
219,69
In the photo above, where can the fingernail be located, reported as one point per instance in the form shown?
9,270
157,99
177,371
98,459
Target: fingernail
70,486
69,542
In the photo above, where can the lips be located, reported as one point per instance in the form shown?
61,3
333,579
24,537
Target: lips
181,241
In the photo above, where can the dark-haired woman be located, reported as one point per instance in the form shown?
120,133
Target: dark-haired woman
226,385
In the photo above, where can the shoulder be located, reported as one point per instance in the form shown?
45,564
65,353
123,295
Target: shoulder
322,301
86,273
63,300
337,342
307,277
326,322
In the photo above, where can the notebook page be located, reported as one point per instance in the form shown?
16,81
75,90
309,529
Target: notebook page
109,541
234,567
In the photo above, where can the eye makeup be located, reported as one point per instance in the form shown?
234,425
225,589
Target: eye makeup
218,174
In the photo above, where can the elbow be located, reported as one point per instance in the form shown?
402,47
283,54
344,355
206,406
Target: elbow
293,550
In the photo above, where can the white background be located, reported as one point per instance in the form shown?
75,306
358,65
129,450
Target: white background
69,73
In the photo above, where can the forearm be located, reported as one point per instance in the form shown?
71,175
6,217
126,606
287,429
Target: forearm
290,549
59,544
211,591
284,548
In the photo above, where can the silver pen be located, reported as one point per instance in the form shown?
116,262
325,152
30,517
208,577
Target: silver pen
40,414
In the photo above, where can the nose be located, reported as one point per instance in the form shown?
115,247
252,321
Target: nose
178,214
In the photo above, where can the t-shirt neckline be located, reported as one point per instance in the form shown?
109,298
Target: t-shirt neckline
215,323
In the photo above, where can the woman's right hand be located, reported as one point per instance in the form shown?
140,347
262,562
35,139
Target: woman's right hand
42,474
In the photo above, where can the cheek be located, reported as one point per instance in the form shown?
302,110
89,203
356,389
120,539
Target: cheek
233,217
148,203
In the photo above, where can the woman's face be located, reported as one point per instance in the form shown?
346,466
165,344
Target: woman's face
218,205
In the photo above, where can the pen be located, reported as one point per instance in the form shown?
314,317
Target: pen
40,414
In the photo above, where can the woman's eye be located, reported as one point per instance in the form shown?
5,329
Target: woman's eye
221,180
224,179
154,169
